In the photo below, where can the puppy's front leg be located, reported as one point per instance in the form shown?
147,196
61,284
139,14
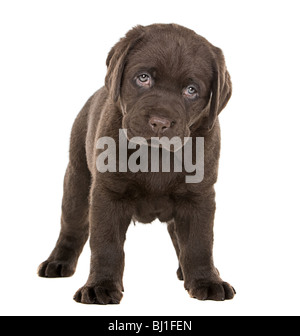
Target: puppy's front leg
109,221
194,228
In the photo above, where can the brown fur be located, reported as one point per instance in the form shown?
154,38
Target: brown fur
104,204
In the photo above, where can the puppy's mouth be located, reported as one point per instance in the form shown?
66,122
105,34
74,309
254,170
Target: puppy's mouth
156,128
172,144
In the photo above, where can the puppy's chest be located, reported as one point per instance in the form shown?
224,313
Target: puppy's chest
152,195
149,208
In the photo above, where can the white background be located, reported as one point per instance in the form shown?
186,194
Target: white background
53,58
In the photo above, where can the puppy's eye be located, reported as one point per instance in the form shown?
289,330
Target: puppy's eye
190,92
143,80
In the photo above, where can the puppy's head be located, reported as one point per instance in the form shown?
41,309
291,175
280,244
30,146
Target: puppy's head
168,81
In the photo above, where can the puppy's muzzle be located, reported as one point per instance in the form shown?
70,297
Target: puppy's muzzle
160,125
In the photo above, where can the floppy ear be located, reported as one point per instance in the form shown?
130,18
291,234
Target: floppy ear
116,60
221,89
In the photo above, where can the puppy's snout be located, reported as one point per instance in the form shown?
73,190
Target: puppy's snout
159,125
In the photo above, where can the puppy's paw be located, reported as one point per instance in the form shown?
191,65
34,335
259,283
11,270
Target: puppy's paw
216,291
55,269
104,293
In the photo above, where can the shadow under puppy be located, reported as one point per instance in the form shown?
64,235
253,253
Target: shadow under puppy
163,80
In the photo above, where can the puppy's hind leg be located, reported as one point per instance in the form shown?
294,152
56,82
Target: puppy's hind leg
75,206
172,233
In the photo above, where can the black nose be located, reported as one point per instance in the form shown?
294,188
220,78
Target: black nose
159,124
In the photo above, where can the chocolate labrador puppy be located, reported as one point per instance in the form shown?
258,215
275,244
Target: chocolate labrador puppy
163,81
